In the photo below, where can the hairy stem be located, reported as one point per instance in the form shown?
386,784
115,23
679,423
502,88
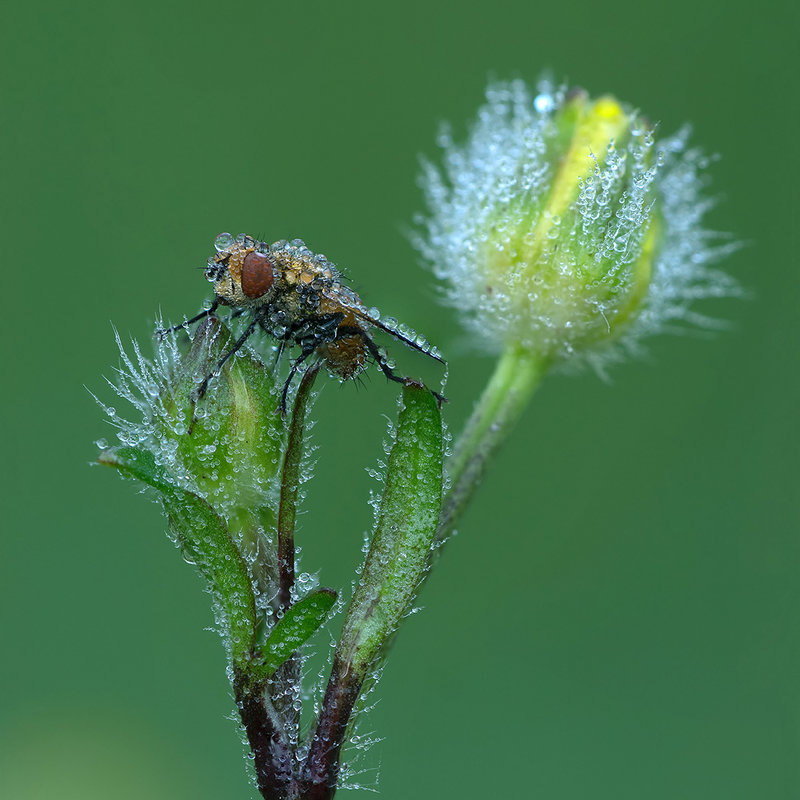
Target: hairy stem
285,688
321,771
516,377
272,756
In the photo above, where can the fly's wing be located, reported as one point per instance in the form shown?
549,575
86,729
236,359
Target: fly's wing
402,333
346,298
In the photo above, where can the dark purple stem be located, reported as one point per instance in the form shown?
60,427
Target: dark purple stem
267,712
272,757
321,771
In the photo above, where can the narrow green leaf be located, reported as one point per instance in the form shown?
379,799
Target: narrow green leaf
294,629
407,522
205,541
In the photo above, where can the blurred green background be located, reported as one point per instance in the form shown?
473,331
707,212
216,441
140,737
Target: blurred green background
617,617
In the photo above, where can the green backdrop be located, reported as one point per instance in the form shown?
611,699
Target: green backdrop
617,617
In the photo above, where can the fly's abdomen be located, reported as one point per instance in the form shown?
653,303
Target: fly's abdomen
346,356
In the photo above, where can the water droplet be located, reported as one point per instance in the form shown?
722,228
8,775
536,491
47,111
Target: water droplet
223,242
544,103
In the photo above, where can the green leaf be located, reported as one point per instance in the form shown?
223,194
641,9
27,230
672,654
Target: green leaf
294,628
407,522
205,541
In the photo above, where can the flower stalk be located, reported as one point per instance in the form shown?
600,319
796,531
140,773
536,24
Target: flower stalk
516,377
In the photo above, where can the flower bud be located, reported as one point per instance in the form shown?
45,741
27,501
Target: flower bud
229,443
225,448
560,227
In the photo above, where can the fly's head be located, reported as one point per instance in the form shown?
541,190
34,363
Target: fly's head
241,270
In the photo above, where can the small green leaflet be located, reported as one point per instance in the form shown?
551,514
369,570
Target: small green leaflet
294,629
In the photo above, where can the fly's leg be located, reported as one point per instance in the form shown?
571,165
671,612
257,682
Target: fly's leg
162,332
308,349
201,390
380,359
322,328
309,333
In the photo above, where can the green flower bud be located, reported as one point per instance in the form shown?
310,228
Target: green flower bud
561,227
234,450
225,449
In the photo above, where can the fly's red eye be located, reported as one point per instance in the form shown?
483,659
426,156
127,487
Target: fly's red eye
257,276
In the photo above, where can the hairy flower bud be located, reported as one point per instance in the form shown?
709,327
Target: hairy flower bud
234,450
225,449
561,227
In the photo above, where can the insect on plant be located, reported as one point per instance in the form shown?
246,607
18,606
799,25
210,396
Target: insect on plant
299,298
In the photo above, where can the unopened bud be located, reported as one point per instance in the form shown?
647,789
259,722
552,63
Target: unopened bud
224,448
561,227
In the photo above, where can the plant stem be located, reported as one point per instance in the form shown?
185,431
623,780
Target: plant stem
284,686
290,486
272,756
321,772
516,377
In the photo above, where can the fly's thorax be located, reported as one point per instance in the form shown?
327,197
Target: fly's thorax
301,268
311,283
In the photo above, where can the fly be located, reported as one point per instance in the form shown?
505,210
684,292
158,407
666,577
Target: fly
299,298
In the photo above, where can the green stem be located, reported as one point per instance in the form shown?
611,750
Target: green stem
290,488
516,377
285,686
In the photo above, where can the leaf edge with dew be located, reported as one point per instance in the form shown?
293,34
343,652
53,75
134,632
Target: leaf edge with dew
205,540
